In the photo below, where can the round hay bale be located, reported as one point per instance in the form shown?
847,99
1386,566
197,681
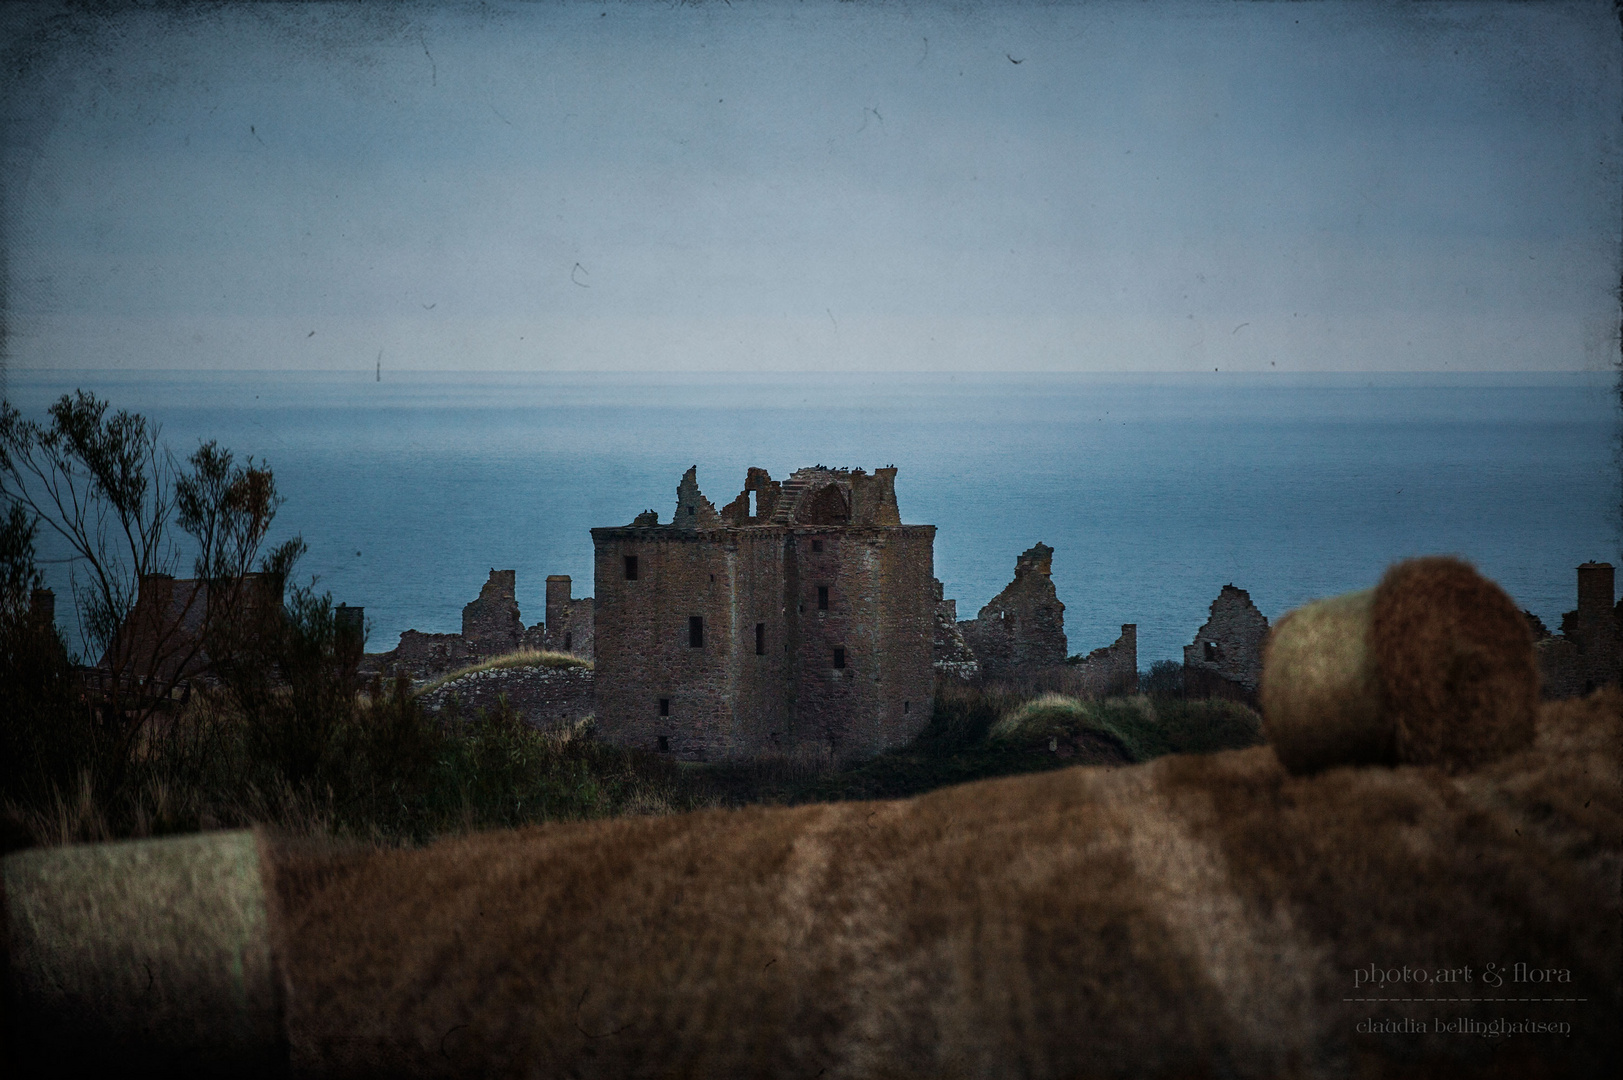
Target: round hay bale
1434,666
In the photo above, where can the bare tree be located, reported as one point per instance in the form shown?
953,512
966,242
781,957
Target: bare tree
112,491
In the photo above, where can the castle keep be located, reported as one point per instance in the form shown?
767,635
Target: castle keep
798,620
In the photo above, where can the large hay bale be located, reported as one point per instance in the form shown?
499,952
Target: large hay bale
1434,666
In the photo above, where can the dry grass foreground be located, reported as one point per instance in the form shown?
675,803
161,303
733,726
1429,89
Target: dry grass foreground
1196,915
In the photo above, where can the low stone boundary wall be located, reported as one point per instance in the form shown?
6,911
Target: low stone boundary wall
543,697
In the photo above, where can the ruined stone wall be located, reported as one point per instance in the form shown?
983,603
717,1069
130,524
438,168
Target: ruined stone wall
543,697
1227,647
951,654
760,566
491,623
1023,627
168,630
421,656
569,623
1110,670
491,626
1588,652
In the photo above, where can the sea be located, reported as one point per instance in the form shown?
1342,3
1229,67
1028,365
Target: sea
1155,491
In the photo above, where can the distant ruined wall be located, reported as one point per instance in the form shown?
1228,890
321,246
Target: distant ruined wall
1023,627
491,623
1110,670
569,623
1588,652
1225,659
491,626
422,656
543,697
951,653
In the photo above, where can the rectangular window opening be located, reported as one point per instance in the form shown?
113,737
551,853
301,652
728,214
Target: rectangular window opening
753,511
631,568
907,706
760,639
569,642
664,744
817,545
696,631
839,658
822,598
664,706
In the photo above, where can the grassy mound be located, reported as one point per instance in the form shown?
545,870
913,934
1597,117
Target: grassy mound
522,658
1142,727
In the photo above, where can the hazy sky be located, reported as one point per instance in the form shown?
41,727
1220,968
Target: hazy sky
928,186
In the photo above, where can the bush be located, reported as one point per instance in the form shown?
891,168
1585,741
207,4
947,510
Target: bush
1163,680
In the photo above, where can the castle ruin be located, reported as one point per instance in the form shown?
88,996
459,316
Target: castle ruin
1588,652
1225,659
492,626
796,621
1022,627
1020,635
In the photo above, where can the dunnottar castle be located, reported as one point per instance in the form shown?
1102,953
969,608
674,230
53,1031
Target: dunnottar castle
803,620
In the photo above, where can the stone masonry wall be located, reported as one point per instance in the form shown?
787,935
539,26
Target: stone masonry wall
1588,652
816,633
1112,669
490,623
951,654
1023,627
569,622
543,697
491,626
656,689
1227,647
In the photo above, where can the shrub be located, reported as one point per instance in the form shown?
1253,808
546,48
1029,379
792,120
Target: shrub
1163,680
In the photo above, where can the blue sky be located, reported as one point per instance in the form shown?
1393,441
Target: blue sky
822,186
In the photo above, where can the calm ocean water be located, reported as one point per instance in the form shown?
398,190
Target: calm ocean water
1155,491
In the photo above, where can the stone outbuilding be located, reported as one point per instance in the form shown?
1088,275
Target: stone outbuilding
796,621
1225,659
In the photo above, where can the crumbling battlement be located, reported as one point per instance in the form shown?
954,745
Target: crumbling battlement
1225,659
797,621
1588,652
814,496
1022,628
